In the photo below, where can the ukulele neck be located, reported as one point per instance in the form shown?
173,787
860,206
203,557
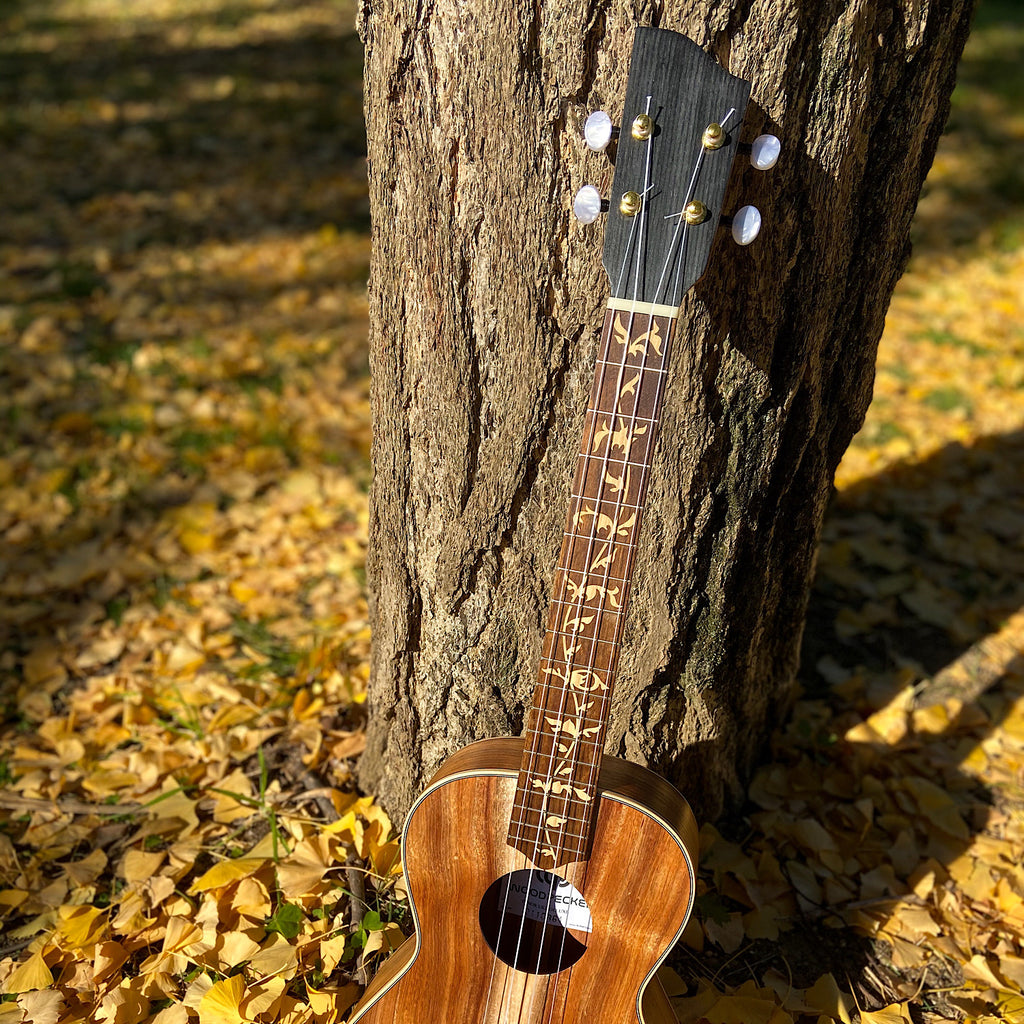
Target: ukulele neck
557,787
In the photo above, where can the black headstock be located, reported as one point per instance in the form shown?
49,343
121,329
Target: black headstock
656,253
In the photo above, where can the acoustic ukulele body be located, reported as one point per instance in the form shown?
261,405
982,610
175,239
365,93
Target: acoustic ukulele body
638,884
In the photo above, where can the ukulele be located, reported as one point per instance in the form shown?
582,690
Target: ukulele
547,881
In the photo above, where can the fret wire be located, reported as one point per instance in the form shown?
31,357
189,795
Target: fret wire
560,663
579,636
550,663
601,540
572,603
616,363
540,732
594,457
540,826
585,573
620,416
573,850
540,752
604,501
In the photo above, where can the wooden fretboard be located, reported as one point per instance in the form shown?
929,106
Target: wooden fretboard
557,785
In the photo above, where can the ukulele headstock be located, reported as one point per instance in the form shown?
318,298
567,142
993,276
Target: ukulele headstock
680,135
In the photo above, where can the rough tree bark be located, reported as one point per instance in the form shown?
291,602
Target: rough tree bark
486,302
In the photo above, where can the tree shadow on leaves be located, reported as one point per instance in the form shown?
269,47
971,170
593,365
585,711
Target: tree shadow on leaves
862,836
977,188
135,144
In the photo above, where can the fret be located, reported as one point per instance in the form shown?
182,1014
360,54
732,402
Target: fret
615,559
590,623
579,649
555,709
631,366
576,636
583,575
624,443
580,653
532,819
519,824
618,504
584,721
598,458
597,599
533,845
610,482
645,336
606,514
626,416
598,540
631,392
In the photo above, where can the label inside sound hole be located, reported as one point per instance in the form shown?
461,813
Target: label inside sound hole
535,921
564,907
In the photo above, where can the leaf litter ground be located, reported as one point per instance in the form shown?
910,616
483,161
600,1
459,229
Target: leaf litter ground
183,514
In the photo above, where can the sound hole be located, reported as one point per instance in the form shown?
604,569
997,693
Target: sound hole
529,919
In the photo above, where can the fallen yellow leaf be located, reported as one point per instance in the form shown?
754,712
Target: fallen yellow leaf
221,1004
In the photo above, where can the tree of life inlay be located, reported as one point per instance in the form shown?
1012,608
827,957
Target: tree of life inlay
557,783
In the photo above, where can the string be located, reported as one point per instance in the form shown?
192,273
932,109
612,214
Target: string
679,235
549,779
575,748
573,755
542,708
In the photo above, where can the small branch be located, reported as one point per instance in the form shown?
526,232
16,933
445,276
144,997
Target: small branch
25,803
357,904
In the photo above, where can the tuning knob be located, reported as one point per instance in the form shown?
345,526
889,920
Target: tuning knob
587,204
597,130
746,224
764,152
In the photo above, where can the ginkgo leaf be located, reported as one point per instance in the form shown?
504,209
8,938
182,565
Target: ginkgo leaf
42,1007
108,958
277,956
894,1013
825,997
31,975
264,997
82,925
226,872
221,1003
139,865
177,1013
303,871
331,1004
331,952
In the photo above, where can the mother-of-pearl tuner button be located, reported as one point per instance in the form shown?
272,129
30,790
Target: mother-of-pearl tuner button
746,224
587,204
597,130
764,152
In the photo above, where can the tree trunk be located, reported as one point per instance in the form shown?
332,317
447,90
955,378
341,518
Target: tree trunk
486,305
